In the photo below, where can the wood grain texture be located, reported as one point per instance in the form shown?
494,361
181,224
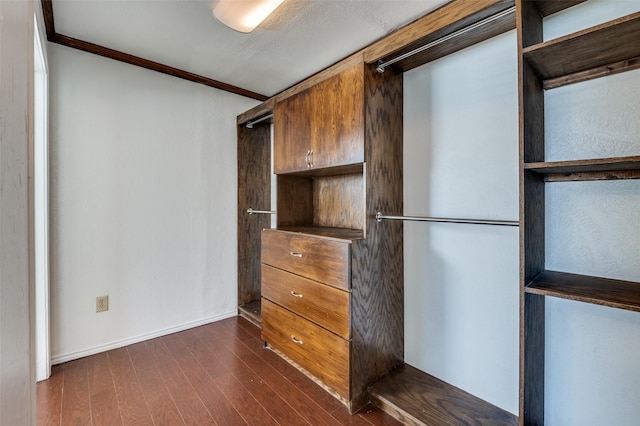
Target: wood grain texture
593,73
549,7
227,393
340,234
319,259
292,133
254,190
587,176
294,201
532,351
593,165
338,201
325,305
455,44
133,407
377,301
76,401
442,21
104,401
49,23
593,47
323,354
416,398
583,288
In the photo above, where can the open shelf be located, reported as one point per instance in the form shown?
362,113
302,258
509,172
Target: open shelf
596,169
603,49
415,397
252,311
583,288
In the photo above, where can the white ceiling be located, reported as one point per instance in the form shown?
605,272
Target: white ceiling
300,38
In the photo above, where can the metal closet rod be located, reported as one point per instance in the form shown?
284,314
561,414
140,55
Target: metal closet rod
380,217
252,211
381,65
250,123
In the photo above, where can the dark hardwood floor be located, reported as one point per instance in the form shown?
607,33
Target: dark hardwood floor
218,374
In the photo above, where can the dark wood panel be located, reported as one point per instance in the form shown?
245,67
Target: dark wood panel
295,201
377,301
254,190
528,24
319,259
468,38
325,305
550,7
338,201
597,72
49,23
594,47
583,288
416,397
442,21
337,120
342,234
593,165
586,176
292,133
532,351
321,353
252,311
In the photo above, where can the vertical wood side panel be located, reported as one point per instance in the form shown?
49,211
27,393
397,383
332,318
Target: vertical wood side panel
532,219
377,263
254,190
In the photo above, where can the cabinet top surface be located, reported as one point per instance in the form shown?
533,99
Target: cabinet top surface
340,234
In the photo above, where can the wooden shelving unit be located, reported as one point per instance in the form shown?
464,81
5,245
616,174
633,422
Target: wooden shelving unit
594,52
415,397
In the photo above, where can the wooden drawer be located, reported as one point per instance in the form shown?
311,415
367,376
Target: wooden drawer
319,259
322,304
320,352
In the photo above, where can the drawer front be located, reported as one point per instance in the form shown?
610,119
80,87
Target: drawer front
322,304
315,349
319,259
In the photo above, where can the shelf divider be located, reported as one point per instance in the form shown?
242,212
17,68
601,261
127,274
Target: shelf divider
610,43
580,170
584,288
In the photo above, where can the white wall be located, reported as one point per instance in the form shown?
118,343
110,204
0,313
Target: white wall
17,382
461,160
143,188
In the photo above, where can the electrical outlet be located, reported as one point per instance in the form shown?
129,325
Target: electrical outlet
102,303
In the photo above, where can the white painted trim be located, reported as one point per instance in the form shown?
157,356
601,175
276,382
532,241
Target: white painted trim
59,359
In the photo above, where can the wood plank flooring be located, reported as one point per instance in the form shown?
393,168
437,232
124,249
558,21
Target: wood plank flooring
217,374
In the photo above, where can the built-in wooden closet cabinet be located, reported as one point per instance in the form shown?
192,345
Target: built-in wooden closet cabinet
322,126
544,65
332,277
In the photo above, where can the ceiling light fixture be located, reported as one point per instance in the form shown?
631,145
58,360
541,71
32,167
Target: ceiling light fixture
244,15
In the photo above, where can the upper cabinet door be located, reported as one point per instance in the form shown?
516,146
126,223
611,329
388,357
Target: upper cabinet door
292,134
322,126
338,120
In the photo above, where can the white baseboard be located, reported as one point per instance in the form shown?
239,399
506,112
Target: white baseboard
59,359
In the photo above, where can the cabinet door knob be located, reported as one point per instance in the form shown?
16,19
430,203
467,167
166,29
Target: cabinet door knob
307,158
294,254
298,341
311,158
294,294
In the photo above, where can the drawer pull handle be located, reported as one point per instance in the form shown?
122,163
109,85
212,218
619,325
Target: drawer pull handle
294,254
298,341
294,294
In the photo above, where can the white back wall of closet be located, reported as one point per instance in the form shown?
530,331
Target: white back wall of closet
461,160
